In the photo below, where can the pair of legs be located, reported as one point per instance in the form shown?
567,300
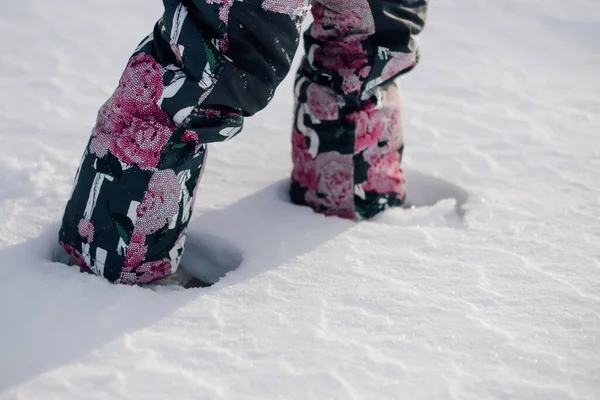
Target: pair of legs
207,65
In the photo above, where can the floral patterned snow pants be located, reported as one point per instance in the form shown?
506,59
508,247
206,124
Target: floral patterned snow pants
206,65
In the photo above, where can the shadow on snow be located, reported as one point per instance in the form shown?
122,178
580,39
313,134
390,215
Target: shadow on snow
53,315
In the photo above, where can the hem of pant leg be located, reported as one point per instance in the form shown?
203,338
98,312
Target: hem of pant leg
91,271
89,268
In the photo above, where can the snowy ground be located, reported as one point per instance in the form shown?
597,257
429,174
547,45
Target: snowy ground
495,298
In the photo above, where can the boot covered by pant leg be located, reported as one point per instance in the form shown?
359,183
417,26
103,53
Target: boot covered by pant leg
184,86
347,138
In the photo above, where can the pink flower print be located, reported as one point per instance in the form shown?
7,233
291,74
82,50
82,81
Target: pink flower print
127,278
335,188
348,56
190,136
398,63
131,124
283,6
349,59
161,202
323,102
139,91
86,229
343,20
141,82
351,82
136,251
141,143
368,126
364,73
342,25
154,270
373,125
224,43
111,121
304,173
223,10
100,143
385,175
299,140
379,131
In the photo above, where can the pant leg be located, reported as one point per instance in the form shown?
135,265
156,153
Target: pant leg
190,82
347,136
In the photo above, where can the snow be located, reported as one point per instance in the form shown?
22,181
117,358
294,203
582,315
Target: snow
490,289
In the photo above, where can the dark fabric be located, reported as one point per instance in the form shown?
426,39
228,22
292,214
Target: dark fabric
258,39
397,24
347,138
205,66
262,45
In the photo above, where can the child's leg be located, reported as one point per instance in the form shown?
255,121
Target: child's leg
205,66
347,137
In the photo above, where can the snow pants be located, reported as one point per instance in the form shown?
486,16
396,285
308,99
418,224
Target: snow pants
208,64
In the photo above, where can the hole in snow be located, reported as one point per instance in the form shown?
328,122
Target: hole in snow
208,258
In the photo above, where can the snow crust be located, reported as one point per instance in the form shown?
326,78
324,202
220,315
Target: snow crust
489,289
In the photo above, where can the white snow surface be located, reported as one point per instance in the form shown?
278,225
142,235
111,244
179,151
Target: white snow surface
494,296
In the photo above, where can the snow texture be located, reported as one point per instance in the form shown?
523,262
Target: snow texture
489,289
